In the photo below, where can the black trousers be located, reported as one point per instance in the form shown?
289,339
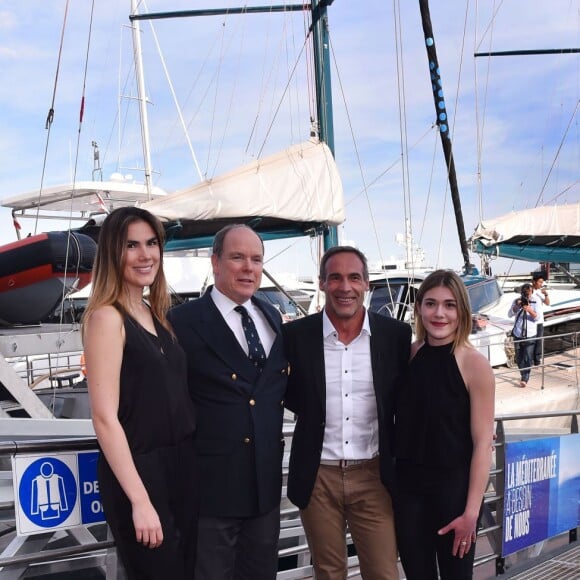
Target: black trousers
169,475
426,501
238,548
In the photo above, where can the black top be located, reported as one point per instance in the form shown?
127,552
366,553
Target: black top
155,408
432,425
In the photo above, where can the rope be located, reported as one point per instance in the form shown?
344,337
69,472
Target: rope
175,100
50,118
284,92
403,135
557,153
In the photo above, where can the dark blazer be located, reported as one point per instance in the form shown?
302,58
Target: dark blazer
238,409
306,395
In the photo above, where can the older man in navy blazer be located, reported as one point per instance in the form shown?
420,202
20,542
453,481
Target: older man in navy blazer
345,363
237,381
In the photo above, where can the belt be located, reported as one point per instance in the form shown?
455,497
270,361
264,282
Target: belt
344,462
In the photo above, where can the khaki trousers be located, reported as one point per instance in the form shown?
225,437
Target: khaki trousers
352,495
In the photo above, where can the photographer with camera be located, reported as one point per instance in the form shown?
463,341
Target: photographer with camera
524,331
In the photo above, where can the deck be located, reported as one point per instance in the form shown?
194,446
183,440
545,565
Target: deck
552,387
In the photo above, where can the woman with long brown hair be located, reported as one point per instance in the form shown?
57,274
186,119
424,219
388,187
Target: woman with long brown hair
141,410
444,432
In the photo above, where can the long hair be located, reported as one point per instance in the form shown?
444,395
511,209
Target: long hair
108,285
447,279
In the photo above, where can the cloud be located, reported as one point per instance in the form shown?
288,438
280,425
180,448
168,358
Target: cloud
228,74
7,20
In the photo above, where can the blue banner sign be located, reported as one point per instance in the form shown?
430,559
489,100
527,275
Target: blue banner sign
542,490
56,491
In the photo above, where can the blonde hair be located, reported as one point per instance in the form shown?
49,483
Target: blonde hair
108,285
447,279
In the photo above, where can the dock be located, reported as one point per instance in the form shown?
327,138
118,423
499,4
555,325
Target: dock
548,406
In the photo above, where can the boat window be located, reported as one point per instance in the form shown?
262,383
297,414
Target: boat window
383,299
484,295
280,301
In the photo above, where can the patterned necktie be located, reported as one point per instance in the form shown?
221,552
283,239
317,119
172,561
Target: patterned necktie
256,352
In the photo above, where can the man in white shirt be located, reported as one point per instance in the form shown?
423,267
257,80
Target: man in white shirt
541,297
344,365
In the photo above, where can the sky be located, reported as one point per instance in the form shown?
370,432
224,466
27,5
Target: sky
514,120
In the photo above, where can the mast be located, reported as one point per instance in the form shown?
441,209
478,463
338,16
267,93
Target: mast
443,124
321,51
320,45
143,115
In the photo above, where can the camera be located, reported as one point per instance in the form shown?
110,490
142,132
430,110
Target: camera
524,300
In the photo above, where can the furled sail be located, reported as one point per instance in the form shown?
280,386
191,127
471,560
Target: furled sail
541,234
288,193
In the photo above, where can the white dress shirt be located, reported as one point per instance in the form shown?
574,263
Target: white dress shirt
351,429
234,320
539,297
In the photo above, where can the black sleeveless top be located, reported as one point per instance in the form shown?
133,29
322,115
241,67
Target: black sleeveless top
432,425
155,408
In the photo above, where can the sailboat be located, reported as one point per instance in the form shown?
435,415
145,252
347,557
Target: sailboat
192,214
295,192
548,234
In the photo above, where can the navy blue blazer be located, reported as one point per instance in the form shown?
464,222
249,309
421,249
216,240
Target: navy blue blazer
306,395
238,410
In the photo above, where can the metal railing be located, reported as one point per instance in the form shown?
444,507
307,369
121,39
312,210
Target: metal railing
494,498
92,547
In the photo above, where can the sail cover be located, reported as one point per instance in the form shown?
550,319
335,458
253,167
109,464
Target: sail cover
85,197
544,234
287,193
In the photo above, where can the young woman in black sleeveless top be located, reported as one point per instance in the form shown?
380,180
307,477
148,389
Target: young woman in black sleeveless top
142,413
444,434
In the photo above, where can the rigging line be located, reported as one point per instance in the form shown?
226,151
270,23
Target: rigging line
296,102
218,76
287,72
452,130
430,188
391,166
480,134
490,25
71,238
477,127
174,97
401,96
563,192
228,115
225,47
196,80
402,111
281,100
50,118
81,119
205,94
307,19
290,72
116,123
557,153
461,54
356,150
264,83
